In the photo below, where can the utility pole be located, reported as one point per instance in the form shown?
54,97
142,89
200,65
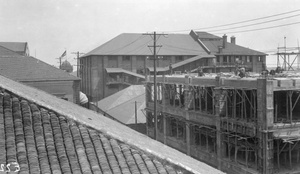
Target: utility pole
154,79
78,65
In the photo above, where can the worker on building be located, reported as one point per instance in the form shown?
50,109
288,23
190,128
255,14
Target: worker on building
84,102
170,69
242,72
200,71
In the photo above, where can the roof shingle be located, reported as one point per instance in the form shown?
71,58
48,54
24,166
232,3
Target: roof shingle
45,134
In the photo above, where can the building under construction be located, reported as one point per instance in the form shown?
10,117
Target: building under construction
238,125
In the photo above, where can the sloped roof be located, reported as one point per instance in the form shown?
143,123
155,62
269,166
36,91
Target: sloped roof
15,46
137,44
24,68
178,64
45,134
213,42
121,105
121,70
205,35
7,52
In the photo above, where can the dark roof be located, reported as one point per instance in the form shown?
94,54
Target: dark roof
15,46
45,134
213,43
121,105
137,44
24,68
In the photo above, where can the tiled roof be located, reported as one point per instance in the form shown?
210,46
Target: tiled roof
24,68
213,42
14,46
45,134
121,105
137,44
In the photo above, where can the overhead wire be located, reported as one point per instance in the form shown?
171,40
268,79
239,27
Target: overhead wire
234,23
259,23
257,29
118,49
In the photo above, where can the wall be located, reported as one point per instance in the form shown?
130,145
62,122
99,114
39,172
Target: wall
58,88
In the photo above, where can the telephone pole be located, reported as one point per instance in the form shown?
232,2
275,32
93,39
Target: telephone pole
78,65
154,34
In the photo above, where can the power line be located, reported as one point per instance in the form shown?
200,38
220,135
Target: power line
118,49
255,23
234,23
243,31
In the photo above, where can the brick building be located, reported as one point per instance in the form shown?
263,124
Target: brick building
126,59
123,60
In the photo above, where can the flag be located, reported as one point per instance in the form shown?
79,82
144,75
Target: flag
64,54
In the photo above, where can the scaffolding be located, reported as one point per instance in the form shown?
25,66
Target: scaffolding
287,57
237,125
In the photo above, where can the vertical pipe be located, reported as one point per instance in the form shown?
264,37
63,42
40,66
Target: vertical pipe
291,106
290,154
278,155
155,86
135,112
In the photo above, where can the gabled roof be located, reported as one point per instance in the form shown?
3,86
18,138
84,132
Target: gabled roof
45,134
213,43
24,68
18,47
137,44
121,105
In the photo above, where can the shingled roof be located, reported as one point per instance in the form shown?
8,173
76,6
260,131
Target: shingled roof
24,68
137,44
45,134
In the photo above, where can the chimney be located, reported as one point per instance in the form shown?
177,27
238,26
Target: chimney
232,40
224,41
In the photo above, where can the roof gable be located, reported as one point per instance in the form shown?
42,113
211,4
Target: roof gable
60,136
137,44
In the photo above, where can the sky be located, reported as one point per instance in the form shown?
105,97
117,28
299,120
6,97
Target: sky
50,27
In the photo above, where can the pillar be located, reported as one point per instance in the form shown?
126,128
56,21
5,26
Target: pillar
265,120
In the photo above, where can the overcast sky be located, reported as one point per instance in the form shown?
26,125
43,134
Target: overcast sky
53,26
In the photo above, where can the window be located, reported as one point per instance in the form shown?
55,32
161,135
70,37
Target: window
178,58
225,59
126,58
249,59
259,58
218,59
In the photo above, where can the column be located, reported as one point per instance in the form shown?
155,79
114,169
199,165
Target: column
265,120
